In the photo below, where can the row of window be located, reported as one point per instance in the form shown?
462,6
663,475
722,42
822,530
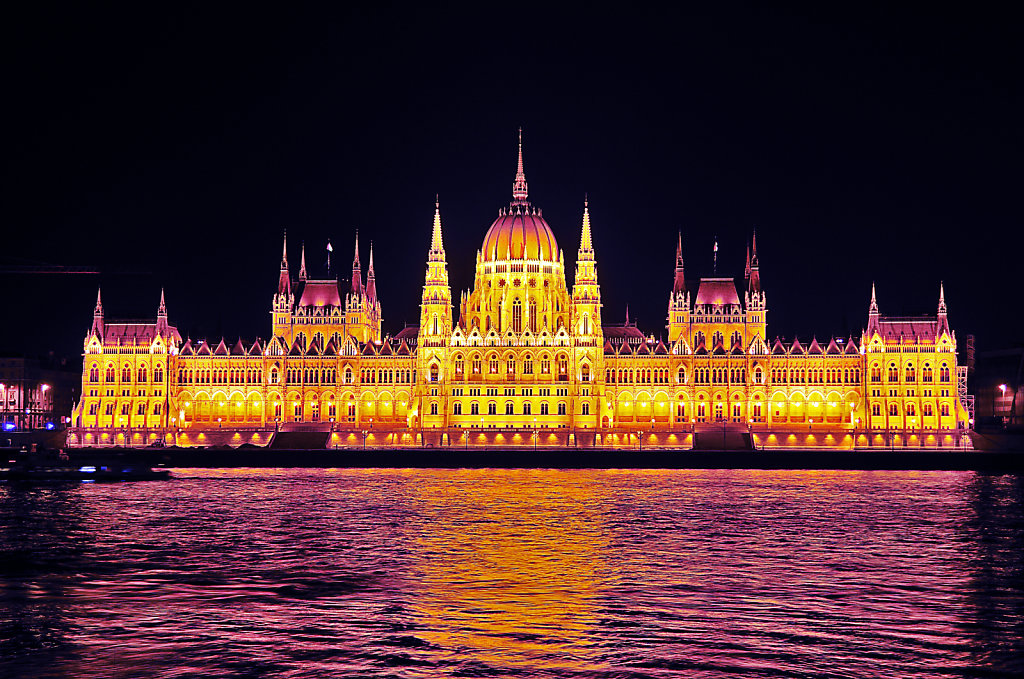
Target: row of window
910,373
110,373
910,410
816,376
494,365
94,408
492,408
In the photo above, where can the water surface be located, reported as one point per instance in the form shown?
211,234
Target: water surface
417,573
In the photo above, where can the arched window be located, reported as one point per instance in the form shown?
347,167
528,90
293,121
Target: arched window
474,408
527,408
944,373
528,365
681,375
433,408
494,364
585,373
894,373
926,373
460,365
94,373
433,372
876,372
533,317
433,325
585,324
517,316
274,376
142,374
911,373
492,408
510,367
158,373
126,373
457,408
477,363
698,338
509,408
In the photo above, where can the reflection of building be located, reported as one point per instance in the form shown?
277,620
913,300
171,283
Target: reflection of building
528,360
35,393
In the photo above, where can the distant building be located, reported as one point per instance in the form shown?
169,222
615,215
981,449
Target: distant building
527,361
998,385
36,393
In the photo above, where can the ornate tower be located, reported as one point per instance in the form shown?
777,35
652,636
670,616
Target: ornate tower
97,317
436,303
586,293
678,300
161,315
362,314
284,300
755,306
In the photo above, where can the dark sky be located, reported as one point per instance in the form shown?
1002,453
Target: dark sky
170,147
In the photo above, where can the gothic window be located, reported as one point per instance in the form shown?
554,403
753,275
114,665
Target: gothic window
585,324
876,410
318,339
876,373
457,408
494,365
460,365
474,408
510,365
126,373
736,337
274,376
926,373
911,411
528,365
517,316
509,408
681,376
545,365
142,409
492,408
926,409
544,408
911,373
894,410
698,338
110,409
332,410
94,373
585,373
563,366
533,317
944,373
476,364
716,339
561,407
126,408
758,376
433,372
142,374
894,373
681,410
94,408
945,410
433,408
527,408
433,325
586,409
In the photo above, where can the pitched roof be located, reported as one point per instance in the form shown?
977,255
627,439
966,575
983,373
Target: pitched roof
717,291
320,293
778,349
815,348
833,348
238,349
408,332
912,327
851,347
132,332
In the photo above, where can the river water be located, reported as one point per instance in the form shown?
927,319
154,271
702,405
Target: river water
547,573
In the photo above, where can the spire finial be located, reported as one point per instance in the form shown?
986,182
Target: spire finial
162,309
369,271
436,241
284,251
99,301
302,263
586,243
942,298
519,189
873,309
355,261
627,314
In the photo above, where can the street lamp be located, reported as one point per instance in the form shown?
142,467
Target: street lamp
536,434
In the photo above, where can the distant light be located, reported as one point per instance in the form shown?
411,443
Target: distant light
87,469
1002,388
44,387
9,426
49,426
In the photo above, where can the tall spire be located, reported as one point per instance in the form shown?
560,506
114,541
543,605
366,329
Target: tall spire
753,253
873,309
942,299
746,268
519,191
357,276
302,265
162,309
284,252
371,283
679,284
97,317
586,244
99,302
436,241
753,275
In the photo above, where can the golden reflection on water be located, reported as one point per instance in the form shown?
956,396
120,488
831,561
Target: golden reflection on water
510,566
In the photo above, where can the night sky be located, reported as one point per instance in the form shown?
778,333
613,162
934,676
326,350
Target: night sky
172,147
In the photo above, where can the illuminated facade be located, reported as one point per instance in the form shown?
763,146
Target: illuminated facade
527,361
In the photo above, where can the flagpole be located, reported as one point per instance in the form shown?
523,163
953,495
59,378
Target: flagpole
714,267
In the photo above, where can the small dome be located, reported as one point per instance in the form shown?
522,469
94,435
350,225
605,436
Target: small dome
520,233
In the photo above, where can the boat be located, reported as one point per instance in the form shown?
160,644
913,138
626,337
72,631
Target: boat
20,467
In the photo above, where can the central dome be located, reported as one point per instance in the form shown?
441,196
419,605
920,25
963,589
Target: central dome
520,233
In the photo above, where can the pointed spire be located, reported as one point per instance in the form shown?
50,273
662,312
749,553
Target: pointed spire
519,189
302,265
162,309
99,302
97,317
753,249
679,284
586,243
357,276
371,284
746,269
284,251
627,314
436,240
873,309
942,299
369,271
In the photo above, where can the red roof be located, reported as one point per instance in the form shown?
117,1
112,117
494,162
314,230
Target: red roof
320,293
717,291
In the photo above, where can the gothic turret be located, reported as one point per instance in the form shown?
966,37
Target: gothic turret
436,303
161,315
943,321
586,293
679,299
97,317
873,319
284,300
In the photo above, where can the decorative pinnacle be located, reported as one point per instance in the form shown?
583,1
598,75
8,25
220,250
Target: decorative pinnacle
99,300
436,241
586,244
942,298
873,309
302,264
369,272
355,261
519,189
162,309
284,251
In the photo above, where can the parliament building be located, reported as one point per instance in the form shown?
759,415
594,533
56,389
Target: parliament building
522,359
